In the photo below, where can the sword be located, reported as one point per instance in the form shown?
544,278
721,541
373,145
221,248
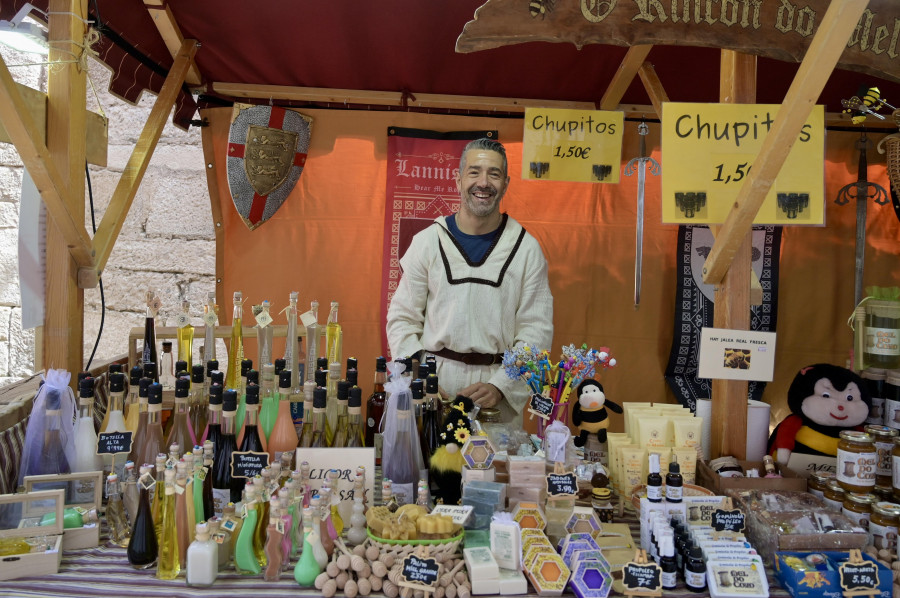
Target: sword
638,165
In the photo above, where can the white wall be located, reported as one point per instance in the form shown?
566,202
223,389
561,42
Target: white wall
167,242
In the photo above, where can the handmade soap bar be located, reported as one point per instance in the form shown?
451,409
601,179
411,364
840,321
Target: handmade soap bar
506,541
481,564
528,514
590,580
480,475
583,519
485,586
512,583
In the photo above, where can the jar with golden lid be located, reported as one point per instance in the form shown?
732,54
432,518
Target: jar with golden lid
856,461
858,508
895,466
884,493
489,415
883,524
834,495
883,438
874,378
818,482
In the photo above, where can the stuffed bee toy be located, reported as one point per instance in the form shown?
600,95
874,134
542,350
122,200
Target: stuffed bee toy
589,413
447,461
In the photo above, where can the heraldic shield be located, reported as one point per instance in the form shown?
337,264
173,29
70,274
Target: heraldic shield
267,148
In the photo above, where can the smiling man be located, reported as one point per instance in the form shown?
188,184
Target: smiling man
474,284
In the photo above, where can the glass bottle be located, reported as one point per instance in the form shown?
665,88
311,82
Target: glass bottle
268,410
153,438
356,535
183,526
214,416
142,547
167,367
148,353
86,457
250,438
674,482
284,435
181,433
307,568
401,465
245,561
222,535
291,349
355,433
115,419
116,520
274,537
198,474
236,350
418,401
185,335
198,405
264,333
654,480
159,496
209,509
130,493
323,541
142,413
305,435
262,510
234,521
375,408
341,431
336,520
168,566
202,558
246,366
210,317
211,366
187,465
131,406
433,419
319,433
113,369
285,497
312,339
222,487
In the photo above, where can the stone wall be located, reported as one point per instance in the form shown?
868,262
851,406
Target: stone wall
167,241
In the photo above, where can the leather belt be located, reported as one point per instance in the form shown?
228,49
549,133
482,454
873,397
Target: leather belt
469,358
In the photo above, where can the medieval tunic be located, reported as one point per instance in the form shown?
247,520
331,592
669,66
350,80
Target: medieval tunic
444,301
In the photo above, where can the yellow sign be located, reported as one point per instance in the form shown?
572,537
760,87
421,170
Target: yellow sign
572,145
708,151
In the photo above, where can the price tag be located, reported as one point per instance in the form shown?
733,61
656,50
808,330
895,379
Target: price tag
179,489
561,485
308,319
154,305
540,406
218,537
229,525
210,318
182,320
110,443
646,577
248,464
420,572
201,475
147,482
263,319
859,576
727,521
279,526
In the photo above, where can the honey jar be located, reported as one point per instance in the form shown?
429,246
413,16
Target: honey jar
883,525
895,464
818,481
874,378
834,495
856,462
883,437
884,493
858,508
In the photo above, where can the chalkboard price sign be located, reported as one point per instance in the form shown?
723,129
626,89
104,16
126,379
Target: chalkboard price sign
248,464
727,521
110,443
541,406
561,484
419,571
859,576
647,577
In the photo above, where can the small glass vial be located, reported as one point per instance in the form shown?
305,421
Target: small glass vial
202,558
695,570
601,500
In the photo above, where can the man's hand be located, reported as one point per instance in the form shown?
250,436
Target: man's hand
483,394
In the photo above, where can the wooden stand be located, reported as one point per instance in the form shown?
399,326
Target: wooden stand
640,560
851,589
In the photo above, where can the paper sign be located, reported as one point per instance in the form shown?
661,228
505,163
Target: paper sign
572,145
708,151
345,460
737,354
308,318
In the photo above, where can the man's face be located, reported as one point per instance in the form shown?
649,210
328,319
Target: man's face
482,182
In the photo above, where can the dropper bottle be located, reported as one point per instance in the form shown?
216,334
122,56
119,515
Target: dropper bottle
654,480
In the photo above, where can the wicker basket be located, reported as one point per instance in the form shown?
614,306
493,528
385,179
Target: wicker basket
403,548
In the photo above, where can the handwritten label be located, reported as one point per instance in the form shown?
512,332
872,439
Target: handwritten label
859,576
727,521
248,464
642,577
562,484
420,571
110,443
182,320
458,513
541,406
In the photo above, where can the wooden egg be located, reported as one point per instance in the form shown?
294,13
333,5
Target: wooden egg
351,589
329,589
320,580
372,553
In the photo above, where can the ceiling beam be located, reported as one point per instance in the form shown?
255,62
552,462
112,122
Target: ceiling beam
171,33
126,189
625,74
387,98
829,42
653,86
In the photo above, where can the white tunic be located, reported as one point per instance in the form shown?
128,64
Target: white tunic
445,301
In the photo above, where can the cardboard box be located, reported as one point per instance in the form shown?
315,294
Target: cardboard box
21,517
88,486
707,478
819,584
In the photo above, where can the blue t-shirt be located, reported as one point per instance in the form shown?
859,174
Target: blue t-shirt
474,246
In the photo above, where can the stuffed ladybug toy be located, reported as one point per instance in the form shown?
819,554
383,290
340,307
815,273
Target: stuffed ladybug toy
589,413
824,400
445,467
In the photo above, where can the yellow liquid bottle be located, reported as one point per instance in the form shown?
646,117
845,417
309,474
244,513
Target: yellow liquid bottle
185,335
236,351
168,566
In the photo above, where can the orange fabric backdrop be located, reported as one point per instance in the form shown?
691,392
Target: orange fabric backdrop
326,243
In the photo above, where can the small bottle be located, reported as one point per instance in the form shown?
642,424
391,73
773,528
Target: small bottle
185,334
307,568
153,436
287,521
306,433
654,480
168,566
284,435
312,340
269,397
222,537
183,526
356,535
695,570
181,432
115,422
202,558
197,407
131,496
167,367
157,499
355,431
342,431
236,351
319,436
116,520
674,482
198,475
209,509
667,563
143,548
86,457
245,561
274,537
375,408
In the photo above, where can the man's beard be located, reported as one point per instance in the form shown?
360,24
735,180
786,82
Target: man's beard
479,208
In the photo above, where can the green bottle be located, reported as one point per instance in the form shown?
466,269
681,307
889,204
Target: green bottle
307,568
72,518
245,561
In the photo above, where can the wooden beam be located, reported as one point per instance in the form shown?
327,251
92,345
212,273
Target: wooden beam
829,42
625,74
653,86
171,33
387,98
212,185
28,138
737,84
131,177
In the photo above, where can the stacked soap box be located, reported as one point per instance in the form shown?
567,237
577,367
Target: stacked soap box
546,570
591,576
485,498
488,577
527,480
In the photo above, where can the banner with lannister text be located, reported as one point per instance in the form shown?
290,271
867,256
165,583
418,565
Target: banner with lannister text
421,185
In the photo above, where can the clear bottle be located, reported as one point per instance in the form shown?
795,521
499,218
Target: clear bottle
323,540
130,493
131,406
400,464
291,349
297,498
319,432
268,410
307,568
236,350
222,537
336,520
210,317
114,368
181,433
213,431
235,522
342,429
284,435
86,457
167,367
153,438
333,370
355,432
185,335
375,408
312,340
222,486
274,537
262,507
187,464
143,548
305,435
116,520
264,333
285,497
141,413
115,421
356,535
202,558
158,496
168,565
333,336
197,406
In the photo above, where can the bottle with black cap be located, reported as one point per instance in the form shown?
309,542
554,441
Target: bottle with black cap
674,482
695,570
268,410
167,366
418,402
134,378
319,437
86,457
181,369
433,419
375,408
113,368
654,480
143,413
181,432
211,366
198,403
148,352
115,421
223,490
283,437
214,416
342,431
355,433
252,378
153,437
250,440
246,366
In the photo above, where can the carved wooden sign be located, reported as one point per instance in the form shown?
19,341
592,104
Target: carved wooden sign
780,29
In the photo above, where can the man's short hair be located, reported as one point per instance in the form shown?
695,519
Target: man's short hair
484,144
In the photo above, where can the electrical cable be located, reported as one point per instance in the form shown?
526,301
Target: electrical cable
87,173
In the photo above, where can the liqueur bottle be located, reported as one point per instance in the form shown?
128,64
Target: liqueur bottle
274,537
116,519
202,558
264,333
433,419
320,423
199,476
342,430
291,349
285,497
334,375
401,454
153,438
250,438
319,548
312,338
356,535
181,433
142,413
418,401
185,335
168,566
236,350
131,407
114,419
187,465
148,353
262,506
355,433
209,509
210,317
159,495
333,357
183,526
198,405
222,490
246,367
305,435
375,408
130,493
86,457
307,568
284,435
167,367
214,416
142,547
268,411
245,559
212,366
